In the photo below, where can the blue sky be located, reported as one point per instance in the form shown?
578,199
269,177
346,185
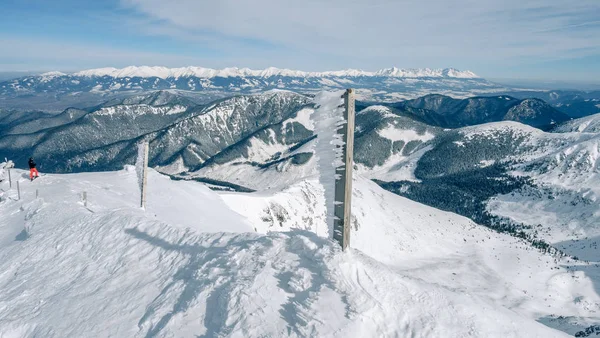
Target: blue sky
524,39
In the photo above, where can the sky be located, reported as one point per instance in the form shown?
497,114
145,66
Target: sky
546,40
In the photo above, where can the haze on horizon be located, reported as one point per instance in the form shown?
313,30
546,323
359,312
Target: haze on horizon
550,41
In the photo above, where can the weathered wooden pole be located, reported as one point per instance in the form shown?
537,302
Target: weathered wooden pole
144,175
343,182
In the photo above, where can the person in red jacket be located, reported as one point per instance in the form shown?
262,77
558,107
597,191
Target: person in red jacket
32,169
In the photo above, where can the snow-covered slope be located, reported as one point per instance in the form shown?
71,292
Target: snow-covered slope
112,269
545,184
589,124
178,130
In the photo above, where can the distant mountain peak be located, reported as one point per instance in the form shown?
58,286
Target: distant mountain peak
427,72
52,74
200,72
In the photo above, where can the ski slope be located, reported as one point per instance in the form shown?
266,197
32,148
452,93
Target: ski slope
201,264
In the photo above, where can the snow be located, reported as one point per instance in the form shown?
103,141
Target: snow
486,163
201,263
178,166
191,266
302,117
588,124
55,73
489,130
396,168
164,73
141,163
261,151
139,110
96,89
563,166
568,178
328,118
115,86
406,135
383,110
426,72
45,77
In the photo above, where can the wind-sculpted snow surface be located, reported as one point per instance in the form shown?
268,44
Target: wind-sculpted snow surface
328,118
112,269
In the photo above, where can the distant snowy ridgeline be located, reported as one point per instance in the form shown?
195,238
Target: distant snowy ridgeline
164,72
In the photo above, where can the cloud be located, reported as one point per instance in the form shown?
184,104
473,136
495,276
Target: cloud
411,32
492,38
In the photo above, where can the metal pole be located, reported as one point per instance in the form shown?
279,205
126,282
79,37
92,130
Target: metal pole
9,179
144,176
18,190
343,183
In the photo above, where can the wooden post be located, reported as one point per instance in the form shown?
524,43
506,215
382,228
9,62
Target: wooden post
9,179
343,184
144,175
84,199
18,190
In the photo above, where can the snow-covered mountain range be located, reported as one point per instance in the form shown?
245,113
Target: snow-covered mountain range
58,91
482,158
208,73
261,141
189,136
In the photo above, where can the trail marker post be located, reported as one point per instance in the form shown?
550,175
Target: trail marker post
8,165
18,191
343,182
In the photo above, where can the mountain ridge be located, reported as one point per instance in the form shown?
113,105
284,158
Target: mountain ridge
447,112
201,72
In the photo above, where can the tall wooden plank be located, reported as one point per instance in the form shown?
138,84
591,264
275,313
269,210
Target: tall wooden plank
343,183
